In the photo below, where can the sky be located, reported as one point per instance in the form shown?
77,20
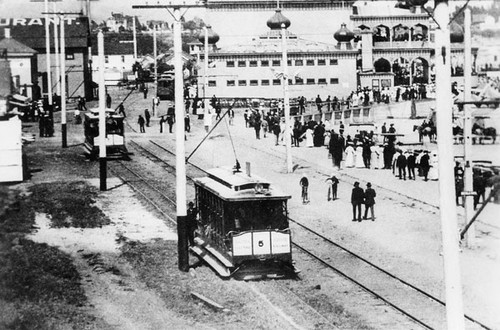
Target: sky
102,9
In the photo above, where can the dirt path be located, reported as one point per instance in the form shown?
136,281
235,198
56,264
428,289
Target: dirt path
110,283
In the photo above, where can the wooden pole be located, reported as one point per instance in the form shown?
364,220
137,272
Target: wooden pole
180,163
468,175
286,101
47,50
63,85
448,212
102,114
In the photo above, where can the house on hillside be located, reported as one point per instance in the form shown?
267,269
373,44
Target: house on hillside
118,22
23,65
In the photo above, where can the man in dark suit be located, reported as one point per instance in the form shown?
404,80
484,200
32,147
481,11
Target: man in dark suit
369,201
357,198
425,165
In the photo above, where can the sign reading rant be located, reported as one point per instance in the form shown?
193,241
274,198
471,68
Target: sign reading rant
35,21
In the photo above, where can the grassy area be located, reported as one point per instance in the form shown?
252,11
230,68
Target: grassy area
39,285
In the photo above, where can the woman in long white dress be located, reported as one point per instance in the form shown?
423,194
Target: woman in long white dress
349,156
433,171
309,138
359,157
380,150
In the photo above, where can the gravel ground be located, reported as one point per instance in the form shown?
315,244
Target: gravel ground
133,292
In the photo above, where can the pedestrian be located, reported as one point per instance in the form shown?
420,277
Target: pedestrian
170,122
411,162
163,120
218,110
230,114
121,110
304,183
370,195
191,222
187,123
319,103
108,100
357,198
207,119
141,123
333,183
245,116
276,130
147,116
265,126
81,104
257,123
145,91
425,164
402,163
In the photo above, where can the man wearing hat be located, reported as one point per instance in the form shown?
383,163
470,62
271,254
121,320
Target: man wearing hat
369,201
357,198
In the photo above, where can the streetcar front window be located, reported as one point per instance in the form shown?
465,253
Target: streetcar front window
258,215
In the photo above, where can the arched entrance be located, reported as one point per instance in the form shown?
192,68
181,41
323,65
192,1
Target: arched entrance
420,71
401,70
382,65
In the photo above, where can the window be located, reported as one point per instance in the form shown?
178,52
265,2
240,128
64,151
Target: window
276,82
253,63
334,81
299,63
123,59
322,62
242,82
322,81
230,64
264,82
289,62
242,64
106,59
70,56
310,62
334,61
290,82
254,82
299,81
230,83
264,63
276,63
212,83
310,81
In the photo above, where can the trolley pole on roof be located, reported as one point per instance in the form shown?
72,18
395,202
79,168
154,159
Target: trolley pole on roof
448,212
102,114
468,177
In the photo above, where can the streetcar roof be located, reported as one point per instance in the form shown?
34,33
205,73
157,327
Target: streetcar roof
238,186
94,114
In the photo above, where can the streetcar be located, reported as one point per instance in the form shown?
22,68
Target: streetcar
115,134
243,229
165,90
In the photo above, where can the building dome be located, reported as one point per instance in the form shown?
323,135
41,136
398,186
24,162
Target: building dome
456,33
344,34
212,36
277,20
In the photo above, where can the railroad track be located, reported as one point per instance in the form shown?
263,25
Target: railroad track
416,304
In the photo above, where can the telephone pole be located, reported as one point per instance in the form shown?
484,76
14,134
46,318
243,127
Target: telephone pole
448,211
180,153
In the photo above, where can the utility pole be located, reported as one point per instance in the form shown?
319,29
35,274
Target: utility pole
56,47
134,34
205,74
47,49
468,175
448,212
102,114
63,84
180,154
286,100
155,55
